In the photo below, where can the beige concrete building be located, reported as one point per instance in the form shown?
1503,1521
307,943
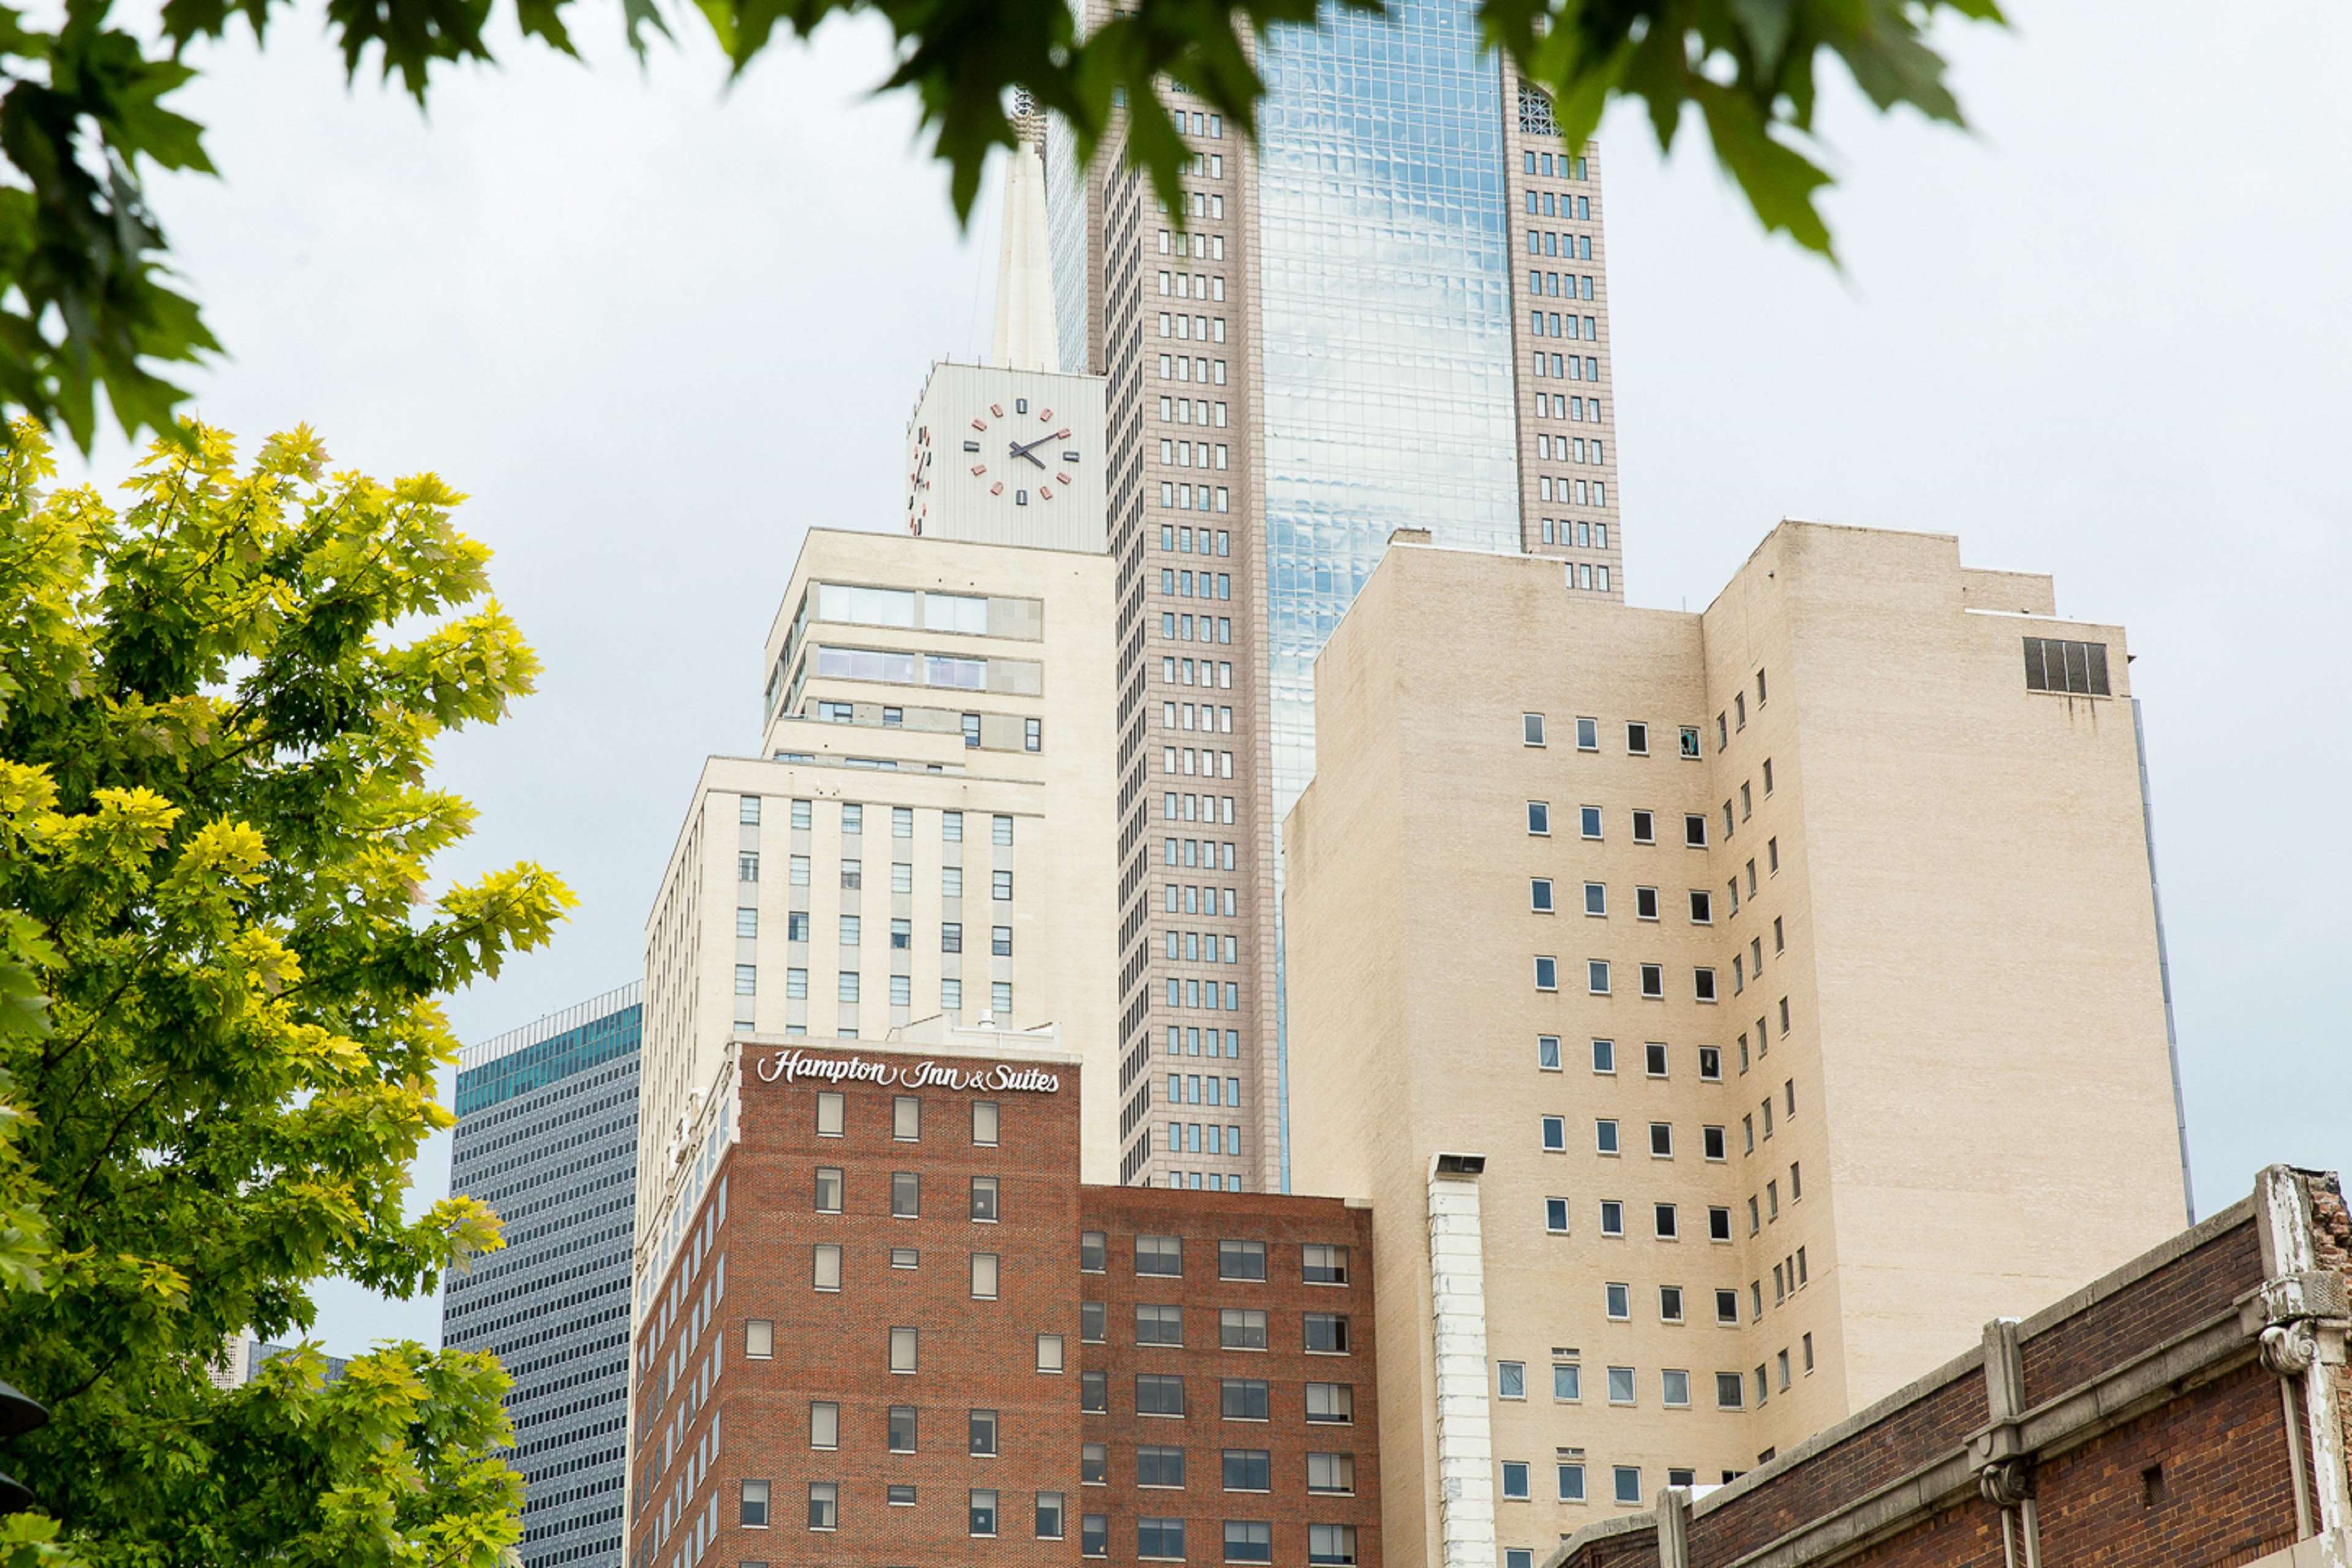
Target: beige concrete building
1727,1014
1390,309
925,831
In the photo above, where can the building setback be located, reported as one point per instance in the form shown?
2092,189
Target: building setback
547,1136
1392,312
897,1329
2191,1408
1724,1012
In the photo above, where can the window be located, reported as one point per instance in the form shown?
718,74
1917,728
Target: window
1653,981
1619,1300
2080,668
1569,1481
1094,1464
1604,1056
1596,977
1159,1255
906,1118
1588,734
983,1275
1727,1307
1781,1361
1694,830
906,1195
1243,1399
825,1267
1158,1394
759,1339
1156,1325
1334,1473
1670,1303
828,1190
1702,906
1702,985
1252,1470
1532,728
1711,1142
1662,1140
1808,1353
1629,1484
980,1511
1324,1264
901,1429
1673,1389
1556,1215
1644,827
1160,1537
984,1121
1330,1401
1540,895
1249,1540
1645,903
753,1514
1612,1217
1049,1515
1596,899
1566,1381
1621,1385
1241,1260
1327,1333
1663,1218
824,1500
1710,1064
1091,1250
824,1424
1094,1535
902,1350
1605,1135
1729,1392
1159,1467
1796,1181
1546,974
1510,1380
1589,820
1515,1481
983,1199
1330,1545
1718,1224
1548,1053
1637,739
1539,819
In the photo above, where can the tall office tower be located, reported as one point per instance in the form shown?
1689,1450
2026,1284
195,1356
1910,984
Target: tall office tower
925,831
1391,313
1727,1014
547,1136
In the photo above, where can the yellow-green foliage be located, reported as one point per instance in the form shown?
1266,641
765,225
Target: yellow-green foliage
218,1023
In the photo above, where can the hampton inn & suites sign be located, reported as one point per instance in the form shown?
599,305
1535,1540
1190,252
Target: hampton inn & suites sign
791,1066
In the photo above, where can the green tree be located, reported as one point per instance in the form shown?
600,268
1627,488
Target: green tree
86,305
216,713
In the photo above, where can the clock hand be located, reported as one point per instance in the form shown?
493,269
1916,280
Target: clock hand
1021,451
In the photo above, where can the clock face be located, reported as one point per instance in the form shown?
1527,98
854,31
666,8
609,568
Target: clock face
1018,451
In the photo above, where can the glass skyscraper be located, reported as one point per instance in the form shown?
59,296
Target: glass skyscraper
547,1136
1389,314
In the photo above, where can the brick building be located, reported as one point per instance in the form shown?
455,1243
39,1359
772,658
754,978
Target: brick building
894,1328
2192,1408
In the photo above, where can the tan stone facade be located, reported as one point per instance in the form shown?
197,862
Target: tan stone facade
926,834
1788,971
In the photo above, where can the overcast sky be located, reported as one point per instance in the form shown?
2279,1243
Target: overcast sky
657,329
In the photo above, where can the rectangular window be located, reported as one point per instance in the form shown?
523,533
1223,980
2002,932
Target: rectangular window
982,1512
1159,1255
985,1122
1596,977
1629,1483
1332,1544
1248,1540
1094,1535
1548,1053
1605,1135
1330,1401
1510,1380
1612,1217
1621,1385
1556,1215
1331,1473
1243,1399
906,1195
1158,1394
824,1424
824,1271
1241,1328
830,1110
1604,1056
1673,1389
2078,667
983,1275
828,1190
1515,1481
983,1199
1241,1260
902,1350
1729,1392
906,1118
1546,974
899,1430
1093,1251
759,1339
1161,1539
1694,830
1158,1325
1532,728
752,1512
1322,1264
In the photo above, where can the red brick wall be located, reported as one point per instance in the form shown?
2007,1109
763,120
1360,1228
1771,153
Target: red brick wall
834,1346
1284,1223
2176,1296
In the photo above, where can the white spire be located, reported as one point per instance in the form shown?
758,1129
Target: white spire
1025,293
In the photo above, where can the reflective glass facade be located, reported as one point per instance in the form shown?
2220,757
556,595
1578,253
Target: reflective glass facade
1385,305
547,1136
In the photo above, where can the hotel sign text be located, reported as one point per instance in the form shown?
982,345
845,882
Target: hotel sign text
792,1066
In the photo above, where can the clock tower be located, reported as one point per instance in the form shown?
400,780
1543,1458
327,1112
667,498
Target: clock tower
1012,452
